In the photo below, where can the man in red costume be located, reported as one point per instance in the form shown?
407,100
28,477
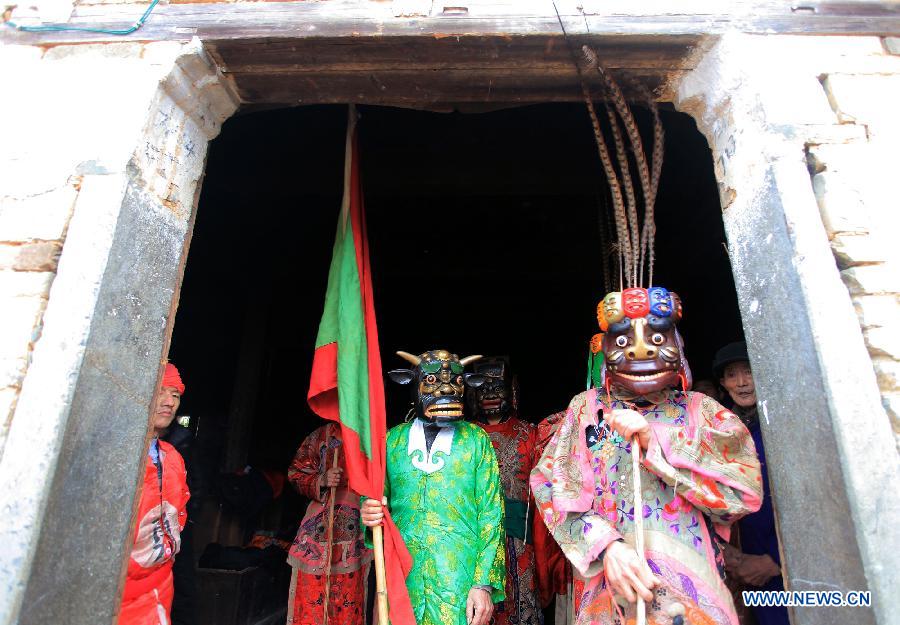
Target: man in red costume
313,472
513,440
554,572
149,590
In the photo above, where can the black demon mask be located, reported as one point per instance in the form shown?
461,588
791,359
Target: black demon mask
440,381
494,398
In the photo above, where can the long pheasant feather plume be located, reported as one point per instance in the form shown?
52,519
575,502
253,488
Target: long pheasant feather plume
638,243
615,257
659,136
627,185
631,129
603,221
648,234
634,136
621,220
614,187
615,252
627,248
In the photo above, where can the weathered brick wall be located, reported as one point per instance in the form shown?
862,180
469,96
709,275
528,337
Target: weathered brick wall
36,204
776,111
858,191
102,152
83,115
32,231
51,143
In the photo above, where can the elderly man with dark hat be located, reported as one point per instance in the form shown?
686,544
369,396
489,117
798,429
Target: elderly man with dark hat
757,563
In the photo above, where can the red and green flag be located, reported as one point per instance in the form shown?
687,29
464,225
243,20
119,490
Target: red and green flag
346,384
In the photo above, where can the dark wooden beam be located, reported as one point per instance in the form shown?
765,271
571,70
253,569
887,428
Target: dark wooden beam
522,53
422,71
419,88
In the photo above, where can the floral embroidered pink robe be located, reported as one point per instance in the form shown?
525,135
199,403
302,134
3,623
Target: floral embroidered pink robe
699,475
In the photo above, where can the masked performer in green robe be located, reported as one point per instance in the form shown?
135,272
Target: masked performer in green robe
443,490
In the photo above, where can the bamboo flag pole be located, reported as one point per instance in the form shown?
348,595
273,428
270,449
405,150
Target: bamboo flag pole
329,532
641,616
380,574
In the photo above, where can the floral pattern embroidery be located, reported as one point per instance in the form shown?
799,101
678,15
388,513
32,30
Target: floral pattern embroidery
699,474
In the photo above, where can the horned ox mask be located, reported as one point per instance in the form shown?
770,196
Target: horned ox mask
438,395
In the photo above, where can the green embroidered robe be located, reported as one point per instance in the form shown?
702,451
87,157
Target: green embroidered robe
448,505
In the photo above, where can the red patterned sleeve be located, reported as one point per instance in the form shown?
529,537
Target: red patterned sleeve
552,569
306,471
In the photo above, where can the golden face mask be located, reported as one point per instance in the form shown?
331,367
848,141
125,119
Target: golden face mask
612,308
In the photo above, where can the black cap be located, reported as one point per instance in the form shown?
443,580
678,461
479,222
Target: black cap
733,352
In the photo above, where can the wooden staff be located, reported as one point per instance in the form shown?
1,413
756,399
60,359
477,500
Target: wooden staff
641,607
380,574
329,532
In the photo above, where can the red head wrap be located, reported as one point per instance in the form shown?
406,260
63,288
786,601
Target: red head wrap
171,378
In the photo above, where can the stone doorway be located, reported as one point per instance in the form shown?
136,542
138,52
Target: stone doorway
127,242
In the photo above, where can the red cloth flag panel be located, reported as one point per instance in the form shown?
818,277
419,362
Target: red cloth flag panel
346,384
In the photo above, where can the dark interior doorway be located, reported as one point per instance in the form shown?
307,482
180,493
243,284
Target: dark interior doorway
484,231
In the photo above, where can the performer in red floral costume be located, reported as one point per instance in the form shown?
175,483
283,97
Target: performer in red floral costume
554,572
313,473
514,443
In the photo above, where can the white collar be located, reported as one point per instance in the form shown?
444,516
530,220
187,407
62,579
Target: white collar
422,459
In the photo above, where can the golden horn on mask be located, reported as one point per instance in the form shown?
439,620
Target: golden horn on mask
415,360
469,359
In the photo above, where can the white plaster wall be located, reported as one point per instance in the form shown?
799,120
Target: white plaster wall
74,119
818,115
83,122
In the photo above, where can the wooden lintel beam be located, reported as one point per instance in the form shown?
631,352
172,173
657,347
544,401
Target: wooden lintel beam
426,54
415,88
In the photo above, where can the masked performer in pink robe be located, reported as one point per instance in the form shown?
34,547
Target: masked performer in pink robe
699,473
